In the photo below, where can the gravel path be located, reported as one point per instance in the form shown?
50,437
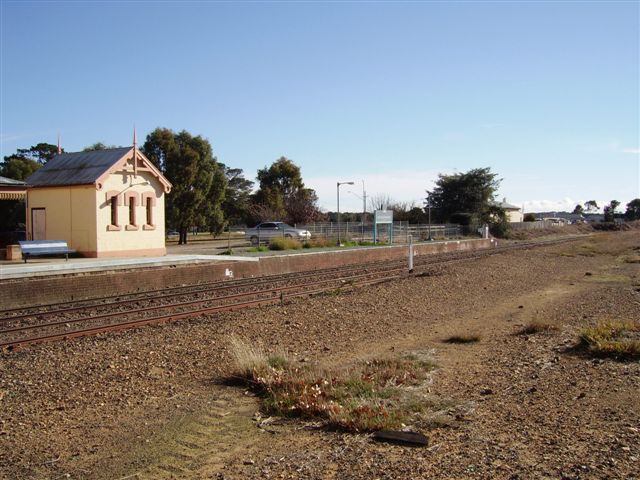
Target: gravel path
150,403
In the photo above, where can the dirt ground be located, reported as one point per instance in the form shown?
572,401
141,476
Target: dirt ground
152,404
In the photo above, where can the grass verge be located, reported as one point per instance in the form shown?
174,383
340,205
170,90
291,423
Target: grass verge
382,393
616,338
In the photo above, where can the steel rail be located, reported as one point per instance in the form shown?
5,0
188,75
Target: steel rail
278,291
273,298
46,309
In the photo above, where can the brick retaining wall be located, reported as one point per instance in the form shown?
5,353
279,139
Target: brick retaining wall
61,288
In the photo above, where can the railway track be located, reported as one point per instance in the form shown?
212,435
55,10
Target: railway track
20,327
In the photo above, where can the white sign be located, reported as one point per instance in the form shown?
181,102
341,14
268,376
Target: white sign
383,216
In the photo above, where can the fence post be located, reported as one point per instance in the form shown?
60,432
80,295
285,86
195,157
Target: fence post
410,240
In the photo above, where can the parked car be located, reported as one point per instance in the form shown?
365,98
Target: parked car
265,231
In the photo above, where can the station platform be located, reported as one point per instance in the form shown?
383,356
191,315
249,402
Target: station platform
38,267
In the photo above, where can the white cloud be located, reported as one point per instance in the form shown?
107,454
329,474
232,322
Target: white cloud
634,151
401,186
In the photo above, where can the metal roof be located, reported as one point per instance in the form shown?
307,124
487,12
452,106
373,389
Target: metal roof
80,168
11,181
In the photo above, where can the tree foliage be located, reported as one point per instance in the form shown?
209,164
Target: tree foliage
198,180
380,201
41,153
529,217
633,210
98,146
591,206
237,197
610,210
27,160
18,168
470,194
283,195
579,210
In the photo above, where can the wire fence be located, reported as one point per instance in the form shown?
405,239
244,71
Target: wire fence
399,232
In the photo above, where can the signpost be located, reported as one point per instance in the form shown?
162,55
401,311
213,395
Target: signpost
382,217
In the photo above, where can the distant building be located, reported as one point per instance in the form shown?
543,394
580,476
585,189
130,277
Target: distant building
514,213
566,217
103,203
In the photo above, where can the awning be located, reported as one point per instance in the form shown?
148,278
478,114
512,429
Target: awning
13,195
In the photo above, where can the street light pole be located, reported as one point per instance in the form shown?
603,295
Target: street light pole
430,222
338,194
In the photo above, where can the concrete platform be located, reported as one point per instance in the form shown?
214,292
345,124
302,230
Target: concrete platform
38,267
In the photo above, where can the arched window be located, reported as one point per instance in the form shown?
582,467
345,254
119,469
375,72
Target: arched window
132,203
149,202
113,201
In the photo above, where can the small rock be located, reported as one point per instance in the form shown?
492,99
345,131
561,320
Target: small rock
486,391
249,462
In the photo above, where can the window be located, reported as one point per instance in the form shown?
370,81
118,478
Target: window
149,201
132,212
132,203
113,201
114,211
149,211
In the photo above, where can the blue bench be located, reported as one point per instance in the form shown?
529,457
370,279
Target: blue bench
40,248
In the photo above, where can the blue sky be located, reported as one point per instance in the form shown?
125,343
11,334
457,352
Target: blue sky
392,93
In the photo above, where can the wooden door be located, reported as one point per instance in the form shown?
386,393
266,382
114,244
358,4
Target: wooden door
38,223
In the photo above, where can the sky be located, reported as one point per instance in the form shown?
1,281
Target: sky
385,94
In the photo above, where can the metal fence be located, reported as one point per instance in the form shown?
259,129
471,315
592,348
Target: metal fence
537,225
357,231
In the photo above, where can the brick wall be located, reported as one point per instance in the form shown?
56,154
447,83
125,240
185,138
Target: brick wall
61,288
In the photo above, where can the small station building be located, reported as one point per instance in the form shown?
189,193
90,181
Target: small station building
103,203
513,212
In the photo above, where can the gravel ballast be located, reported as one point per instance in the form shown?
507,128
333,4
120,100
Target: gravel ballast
152,403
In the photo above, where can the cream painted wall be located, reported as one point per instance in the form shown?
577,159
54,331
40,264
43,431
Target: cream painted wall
130,242
69,215
515,216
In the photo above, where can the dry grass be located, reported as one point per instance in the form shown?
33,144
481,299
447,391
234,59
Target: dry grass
616,338
463,338
320,243
382,393
537,326
284,244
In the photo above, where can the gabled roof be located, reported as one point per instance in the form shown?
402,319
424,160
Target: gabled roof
506,206
87,168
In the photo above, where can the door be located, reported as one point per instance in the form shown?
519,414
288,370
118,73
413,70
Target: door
38,223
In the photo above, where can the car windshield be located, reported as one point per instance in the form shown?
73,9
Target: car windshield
284,225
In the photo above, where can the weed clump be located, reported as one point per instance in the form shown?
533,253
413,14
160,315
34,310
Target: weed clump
463,338
381,393
616,338
537,326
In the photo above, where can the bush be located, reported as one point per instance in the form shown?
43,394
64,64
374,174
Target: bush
529,217
284,244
